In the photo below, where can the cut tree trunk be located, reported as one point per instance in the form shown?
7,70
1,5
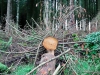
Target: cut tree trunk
48,68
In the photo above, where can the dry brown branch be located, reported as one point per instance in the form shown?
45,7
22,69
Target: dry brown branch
74,42
14,52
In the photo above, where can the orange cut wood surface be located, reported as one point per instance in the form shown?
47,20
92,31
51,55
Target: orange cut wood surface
50,43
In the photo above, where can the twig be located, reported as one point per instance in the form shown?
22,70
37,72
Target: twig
18,63
37,24
15,52
75,42
47,61
38,48
70,13
64,65
29,25
7,57
63,47
37,52
72,66
16,29
57,69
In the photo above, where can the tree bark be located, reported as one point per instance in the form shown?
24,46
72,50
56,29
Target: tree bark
46,14
8,19
17,17
48,68
72,18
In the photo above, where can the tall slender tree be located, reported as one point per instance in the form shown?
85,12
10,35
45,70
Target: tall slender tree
8,19
17,17
46,14
72,18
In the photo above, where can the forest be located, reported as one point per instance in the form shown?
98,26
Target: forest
49,37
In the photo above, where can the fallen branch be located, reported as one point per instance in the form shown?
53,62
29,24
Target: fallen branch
74,42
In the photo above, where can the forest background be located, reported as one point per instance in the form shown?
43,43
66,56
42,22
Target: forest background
25,23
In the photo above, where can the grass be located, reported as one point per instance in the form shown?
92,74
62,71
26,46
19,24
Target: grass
23,69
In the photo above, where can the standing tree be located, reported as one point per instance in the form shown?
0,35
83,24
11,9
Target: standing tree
72,19
17,17
8,19
46,14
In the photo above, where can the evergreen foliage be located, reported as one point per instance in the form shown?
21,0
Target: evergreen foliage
4,45
93,40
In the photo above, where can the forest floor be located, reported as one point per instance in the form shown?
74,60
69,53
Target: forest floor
21,48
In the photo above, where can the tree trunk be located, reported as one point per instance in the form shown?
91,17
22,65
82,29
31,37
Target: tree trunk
46,14
17,17
48,68
8,19
72,18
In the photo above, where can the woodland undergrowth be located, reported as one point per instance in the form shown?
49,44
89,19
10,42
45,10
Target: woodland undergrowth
18,52
21,50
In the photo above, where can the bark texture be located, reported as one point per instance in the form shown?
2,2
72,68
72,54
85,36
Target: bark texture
49,67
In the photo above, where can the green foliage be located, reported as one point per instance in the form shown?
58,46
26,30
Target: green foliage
34,38
2,67
4,45
97,67
93,40
75,37
23,70
76,45
83,67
